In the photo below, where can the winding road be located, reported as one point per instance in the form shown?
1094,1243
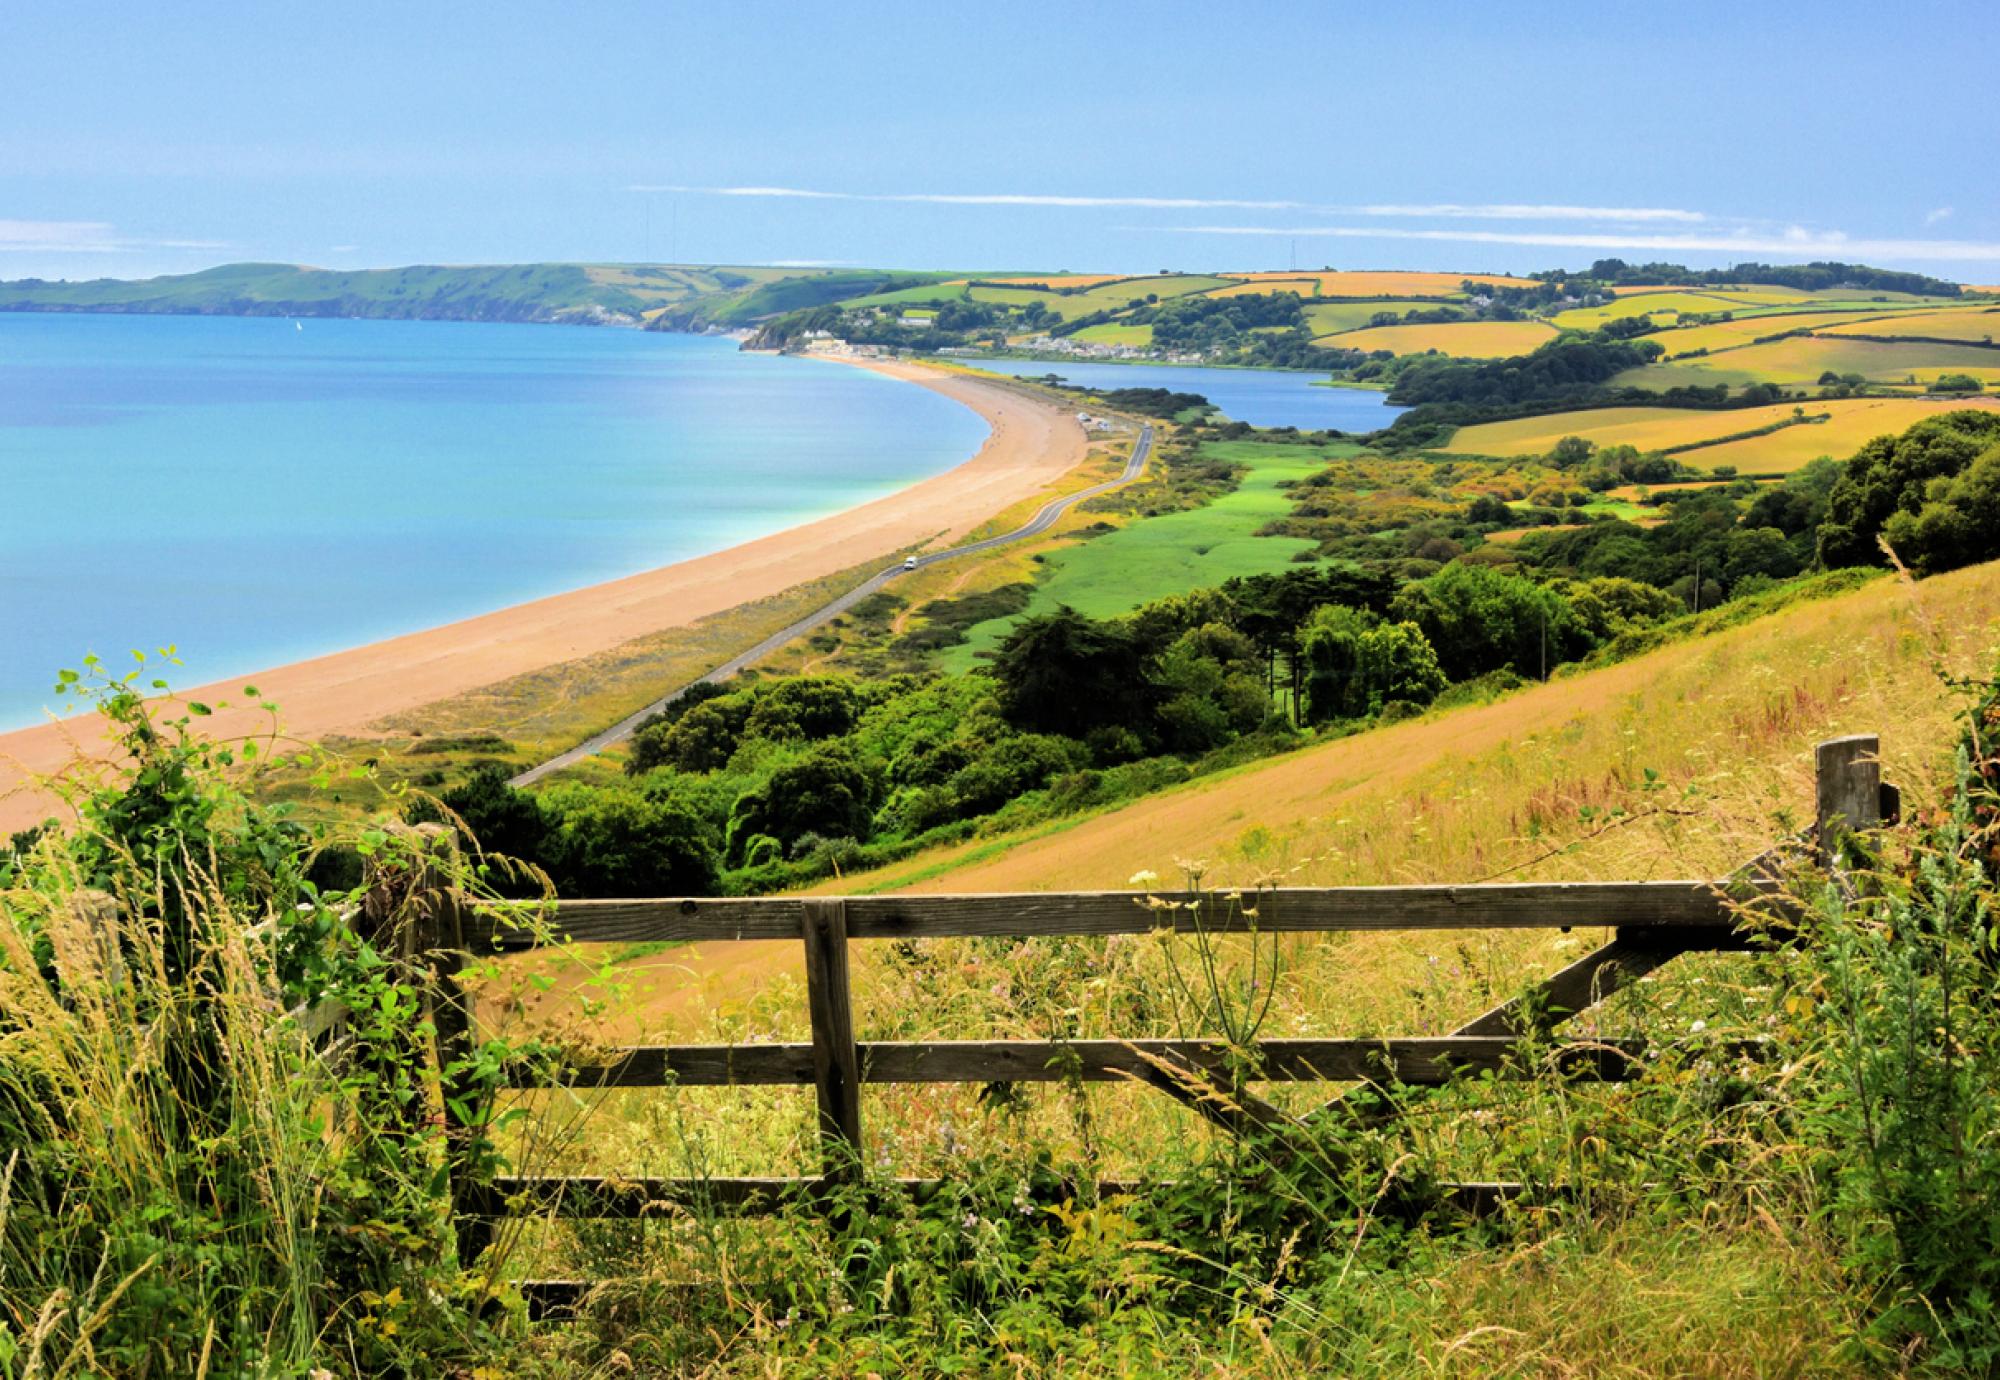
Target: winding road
1041,522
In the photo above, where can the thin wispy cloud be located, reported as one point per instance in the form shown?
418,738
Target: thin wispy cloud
1793,242
82,237
1165,203
1941,213
1440,210
1454,211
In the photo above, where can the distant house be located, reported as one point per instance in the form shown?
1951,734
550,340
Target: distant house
921,322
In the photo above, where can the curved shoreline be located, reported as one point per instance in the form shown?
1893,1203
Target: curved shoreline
1029,446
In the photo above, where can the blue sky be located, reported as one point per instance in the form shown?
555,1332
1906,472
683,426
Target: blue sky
1108,136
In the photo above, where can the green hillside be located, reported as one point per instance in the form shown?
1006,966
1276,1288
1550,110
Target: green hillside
614,294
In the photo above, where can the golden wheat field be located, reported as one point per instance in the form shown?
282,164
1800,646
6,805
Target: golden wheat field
1467,339
1851,421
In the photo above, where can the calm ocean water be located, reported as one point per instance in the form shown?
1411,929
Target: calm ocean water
1261,397
256,493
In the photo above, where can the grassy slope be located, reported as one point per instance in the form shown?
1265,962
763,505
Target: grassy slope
1463,794
1120,570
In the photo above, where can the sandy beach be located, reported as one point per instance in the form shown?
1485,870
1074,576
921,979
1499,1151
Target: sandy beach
1031,445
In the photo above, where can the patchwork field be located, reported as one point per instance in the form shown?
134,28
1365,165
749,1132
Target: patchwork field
1467,339
1062,280
1365,283
1975,325
1793,448
1762,294
1798,362
1747,330
1304,286
1851,421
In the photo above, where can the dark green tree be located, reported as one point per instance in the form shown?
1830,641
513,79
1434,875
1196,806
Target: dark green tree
1064,673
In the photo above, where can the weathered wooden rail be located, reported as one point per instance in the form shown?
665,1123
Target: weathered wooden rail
1651,922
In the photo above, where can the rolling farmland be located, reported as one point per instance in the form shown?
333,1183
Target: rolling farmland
1798,362
1466,339
1972,325
1851,421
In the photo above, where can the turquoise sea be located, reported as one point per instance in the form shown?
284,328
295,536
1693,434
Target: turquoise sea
1261,397
256,491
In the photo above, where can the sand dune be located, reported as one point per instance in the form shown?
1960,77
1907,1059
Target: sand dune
1031,445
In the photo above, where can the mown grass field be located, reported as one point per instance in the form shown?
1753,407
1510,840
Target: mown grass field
1329,318
1172,553
1656,304
930,293
1060,280
1466,339
1851,422
1763,294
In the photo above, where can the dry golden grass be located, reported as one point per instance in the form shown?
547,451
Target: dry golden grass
1467,339
1469,793
1509,535
1852,421
1704,746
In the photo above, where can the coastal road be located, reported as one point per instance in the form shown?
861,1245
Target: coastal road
1041,522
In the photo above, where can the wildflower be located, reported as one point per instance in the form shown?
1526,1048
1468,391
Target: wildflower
971,1221
1144,878
1698,1027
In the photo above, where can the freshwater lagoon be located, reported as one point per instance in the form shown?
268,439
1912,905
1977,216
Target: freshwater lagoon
1261,397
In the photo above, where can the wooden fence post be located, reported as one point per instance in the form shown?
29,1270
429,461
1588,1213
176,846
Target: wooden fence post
451,1017
836,1061
1849,774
